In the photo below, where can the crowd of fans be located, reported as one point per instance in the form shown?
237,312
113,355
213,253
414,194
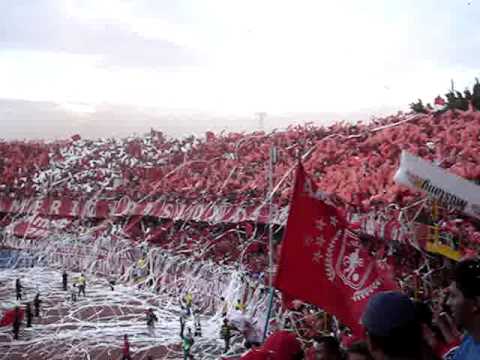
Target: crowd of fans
397,327
354,163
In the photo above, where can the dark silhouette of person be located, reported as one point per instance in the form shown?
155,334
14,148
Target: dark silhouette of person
126,348
18,289
65,280
36,304
28,314
16,323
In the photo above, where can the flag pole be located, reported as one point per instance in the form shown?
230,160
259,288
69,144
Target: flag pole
273,160
269,312
271,164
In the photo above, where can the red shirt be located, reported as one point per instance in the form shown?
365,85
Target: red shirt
126,347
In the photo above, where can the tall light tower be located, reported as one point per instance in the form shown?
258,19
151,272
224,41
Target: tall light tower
261,119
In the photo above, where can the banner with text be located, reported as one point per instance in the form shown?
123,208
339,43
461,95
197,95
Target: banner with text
450,190
208,212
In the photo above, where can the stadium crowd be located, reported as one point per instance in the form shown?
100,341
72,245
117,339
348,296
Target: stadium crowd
354,164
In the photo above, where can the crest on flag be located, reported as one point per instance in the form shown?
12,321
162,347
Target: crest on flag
351,266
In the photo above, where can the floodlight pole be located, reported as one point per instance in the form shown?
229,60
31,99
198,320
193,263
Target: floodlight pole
261,119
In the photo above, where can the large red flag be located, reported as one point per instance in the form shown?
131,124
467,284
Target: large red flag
322,262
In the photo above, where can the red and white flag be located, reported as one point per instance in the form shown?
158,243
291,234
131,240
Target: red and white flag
33,227
322,262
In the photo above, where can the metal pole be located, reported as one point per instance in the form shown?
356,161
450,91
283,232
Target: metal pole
270,217
269,312
271,163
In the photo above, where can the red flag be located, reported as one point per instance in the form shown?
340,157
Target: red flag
439,101
281,345
9,317
33,227
210,136
322,262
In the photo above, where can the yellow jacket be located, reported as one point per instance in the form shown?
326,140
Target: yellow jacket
82,280
188,299
240,306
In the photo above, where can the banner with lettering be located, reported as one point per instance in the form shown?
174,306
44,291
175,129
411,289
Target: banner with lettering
101,209
448,189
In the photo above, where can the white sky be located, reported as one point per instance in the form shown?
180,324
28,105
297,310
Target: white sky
237,56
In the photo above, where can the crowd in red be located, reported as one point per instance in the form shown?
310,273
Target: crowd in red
356,162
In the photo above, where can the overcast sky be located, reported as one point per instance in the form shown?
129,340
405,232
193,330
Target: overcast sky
237,56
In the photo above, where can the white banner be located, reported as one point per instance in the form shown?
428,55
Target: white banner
448,189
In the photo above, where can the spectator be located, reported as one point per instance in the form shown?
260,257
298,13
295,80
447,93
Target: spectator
126,348
151,319
185,310
188,302
36,304
226,334
18,289
82,283
239,306
187,344
182,324
28,314
393,328
73,293
283,345
359,351
224,306
252,336
198,326
439,333
17,321
64,280
112,283
464,302
326,348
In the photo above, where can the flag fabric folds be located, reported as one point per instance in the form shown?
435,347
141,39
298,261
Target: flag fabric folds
323,262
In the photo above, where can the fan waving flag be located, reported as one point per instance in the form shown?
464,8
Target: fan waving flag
322,262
